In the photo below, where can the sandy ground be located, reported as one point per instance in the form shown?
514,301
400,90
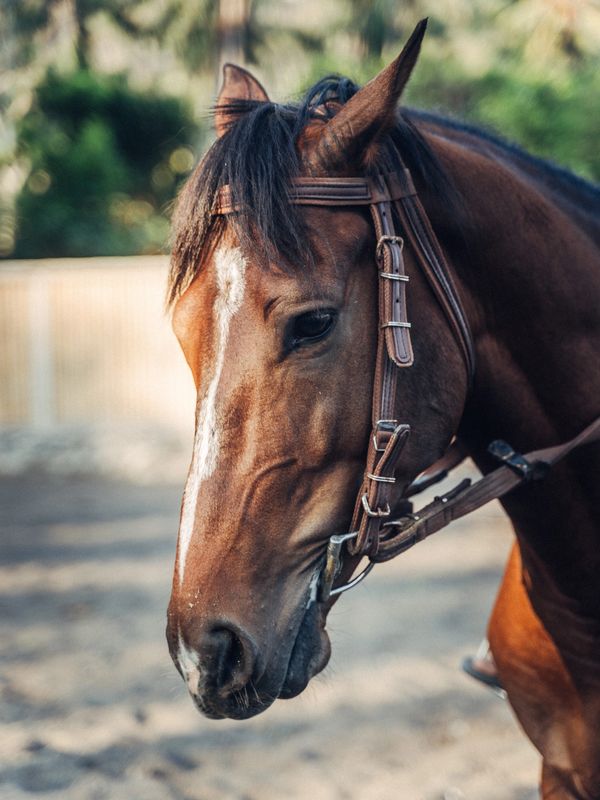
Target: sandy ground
92,707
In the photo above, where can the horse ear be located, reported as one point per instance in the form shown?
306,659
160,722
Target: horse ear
369,114
238,84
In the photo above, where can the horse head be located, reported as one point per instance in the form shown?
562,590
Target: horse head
275,308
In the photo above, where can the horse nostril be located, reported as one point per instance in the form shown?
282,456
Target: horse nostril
231,657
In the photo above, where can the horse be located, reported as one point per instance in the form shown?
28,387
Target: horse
278,280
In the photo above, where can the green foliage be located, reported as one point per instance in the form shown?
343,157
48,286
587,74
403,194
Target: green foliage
526,69
105,162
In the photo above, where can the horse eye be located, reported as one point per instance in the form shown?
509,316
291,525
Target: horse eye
312,326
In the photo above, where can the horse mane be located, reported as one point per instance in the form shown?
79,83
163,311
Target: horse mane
559,178
258,159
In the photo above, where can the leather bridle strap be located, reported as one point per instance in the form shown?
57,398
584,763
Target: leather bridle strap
438,471
400,535
394,349
335,192
416,226
379,192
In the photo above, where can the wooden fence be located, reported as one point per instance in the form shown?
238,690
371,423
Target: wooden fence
88,340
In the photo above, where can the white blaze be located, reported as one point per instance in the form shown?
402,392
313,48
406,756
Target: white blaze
229,265
189,663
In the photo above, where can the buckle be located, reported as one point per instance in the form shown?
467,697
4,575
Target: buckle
407,520
379,512
401,532
333,565
395,324
392,276
386,239
380,478
517,462
387,425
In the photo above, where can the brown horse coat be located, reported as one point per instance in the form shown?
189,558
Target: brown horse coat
275,315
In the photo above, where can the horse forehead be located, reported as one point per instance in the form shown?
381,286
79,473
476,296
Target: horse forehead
335,237
225,272
229,265
216,293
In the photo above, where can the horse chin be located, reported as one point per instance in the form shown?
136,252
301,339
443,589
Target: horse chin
309,654
237,707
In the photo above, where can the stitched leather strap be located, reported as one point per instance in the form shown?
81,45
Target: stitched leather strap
438,471
335,191
394,349
400,535
379,192
417,227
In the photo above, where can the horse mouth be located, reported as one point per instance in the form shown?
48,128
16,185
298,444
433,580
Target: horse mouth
309,655
237,706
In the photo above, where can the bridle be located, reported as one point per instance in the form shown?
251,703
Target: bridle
395,206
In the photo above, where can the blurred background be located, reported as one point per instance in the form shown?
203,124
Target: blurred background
104,110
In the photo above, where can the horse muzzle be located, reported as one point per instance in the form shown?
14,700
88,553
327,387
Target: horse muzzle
228,677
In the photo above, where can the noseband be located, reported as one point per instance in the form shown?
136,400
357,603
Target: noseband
395,207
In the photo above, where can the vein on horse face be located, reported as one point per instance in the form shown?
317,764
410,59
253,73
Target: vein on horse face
230,267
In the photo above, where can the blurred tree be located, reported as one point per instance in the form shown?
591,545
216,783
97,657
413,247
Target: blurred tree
549,29
206,33
104,162
529,69
19,23
25,20
196,30
374,23
119,12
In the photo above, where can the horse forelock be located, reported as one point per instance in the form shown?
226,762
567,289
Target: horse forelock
258,157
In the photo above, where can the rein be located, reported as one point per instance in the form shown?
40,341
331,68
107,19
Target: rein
373,533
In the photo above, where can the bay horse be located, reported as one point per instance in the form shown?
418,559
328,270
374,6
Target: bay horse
279,281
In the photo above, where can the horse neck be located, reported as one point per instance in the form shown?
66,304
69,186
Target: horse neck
530,278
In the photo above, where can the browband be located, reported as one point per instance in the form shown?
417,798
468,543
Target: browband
336,192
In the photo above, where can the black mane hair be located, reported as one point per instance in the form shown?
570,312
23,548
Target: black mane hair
258,159
559,177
